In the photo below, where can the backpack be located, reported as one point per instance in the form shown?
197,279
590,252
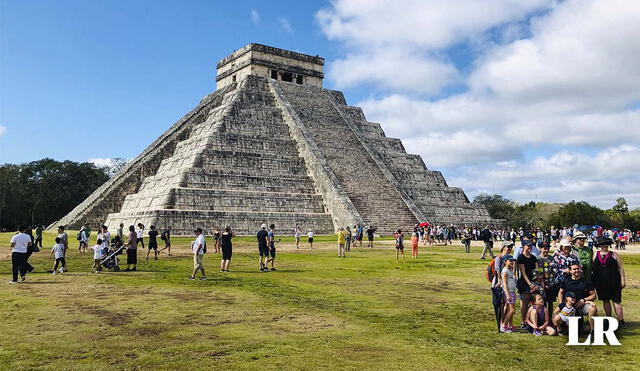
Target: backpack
79,236
491,270
163,236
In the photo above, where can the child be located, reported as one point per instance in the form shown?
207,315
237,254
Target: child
509,287
310,235
414,245
565,310
538,318
58,250
97,256
399,245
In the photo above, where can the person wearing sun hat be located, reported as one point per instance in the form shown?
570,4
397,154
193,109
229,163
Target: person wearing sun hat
609,278
563,260
584,253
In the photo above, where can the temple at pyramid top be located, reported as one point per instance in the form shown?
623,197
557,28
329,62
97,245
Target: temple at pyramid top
267,61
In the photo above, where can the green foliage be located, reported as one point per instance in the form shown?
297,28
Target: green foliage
581,213
621,206
40,192
498,206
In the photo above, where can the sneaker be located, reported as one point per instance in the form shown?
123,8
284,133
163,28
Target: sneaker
537,333
523,326
190,278
505,330
53,273
23,278
13,281
273,269
203,278
133,270
623,324
127,270
62,271
227,271
222,270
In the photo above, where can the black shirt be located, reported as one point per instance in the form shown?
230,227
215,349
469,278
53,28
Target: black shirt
529,264
152,236
262,238
580,288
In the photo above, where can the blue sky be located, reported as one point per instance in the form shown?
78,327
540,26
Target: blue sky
500,96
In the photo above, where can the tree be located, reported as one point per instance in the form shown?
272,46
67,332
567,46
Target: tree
41,192
498,206
581,213
621,206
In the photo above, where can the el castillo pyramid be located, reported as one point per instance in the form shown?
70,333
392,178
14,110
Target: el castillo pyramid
270,145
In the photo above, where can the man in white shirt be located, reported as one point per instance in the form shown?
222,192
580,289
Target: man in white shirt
199,248
20,243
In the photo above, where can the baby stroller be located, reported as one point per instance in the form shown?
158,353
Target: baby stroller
110,261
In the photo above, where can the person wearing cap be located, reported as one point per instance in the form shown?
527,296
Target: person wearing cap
584,291
509,287
198,248
563,260
496,284
525,241
263,247
584,253
609,278
527,263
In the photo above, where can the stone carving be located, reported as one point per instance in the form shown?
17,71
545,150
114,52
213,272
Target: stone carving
272,146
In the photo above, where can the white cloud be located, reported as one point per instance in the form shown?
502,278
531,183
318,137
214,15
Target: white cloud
3,130
102,162
284,23
565,82
255,16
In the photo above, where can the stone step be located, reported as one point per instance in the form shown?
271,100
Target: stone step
238,180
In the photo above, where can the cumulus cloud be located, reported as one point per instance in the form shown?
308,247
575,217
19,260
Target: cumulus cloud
558,78
103,162
3,130
255,16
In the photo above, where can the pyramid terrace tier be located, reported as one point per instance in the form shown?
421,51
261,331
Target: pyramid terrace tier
183,222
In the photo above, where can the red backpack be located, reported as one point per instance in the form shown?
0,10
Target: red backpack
491,270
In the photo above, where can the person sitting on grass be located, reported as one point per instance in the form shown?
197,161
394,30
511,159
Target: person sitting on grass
58,250
564,310
198,248
399,245
584,292
414,245
538,318
97,256
509,287
310,238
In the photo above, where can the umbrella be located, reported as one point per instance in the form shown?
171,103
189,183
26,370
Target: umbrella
496,293
425,224
585,228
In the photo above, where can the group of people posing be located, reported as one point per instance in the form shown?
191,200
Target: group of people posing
574,276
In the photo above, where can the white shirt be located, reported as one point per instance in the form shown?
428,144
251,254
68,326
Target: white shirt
297,233
22,241
58,250
106,237
83,236
140,233
97,251
310,234
199,241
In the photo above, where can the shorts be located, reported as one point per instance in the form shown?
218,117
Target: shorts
197,261
610,293
132,256
310,239
263,250
511,299
583,310
272,252
153,245
370,238
226,252
400,247
523,287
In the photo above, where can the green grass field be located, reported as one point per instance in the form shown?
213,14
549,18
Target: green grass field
317,312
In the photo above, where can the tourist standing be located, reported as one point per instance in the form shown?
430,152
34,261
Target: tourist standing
226,247
216,240
466,241
609,278
341,242
414,245
83,240
199,249
97,256
272,246
360,235
57,252
487,238
38,239
297,233
132,250
584,254
20,243
166,237
120,232
527,263
310,238
140,235
153,242
509,287
370,231
263,247
347,239
399,245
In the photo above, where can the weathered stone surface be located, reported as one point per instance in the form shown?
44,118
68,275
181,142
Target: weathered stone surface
263,150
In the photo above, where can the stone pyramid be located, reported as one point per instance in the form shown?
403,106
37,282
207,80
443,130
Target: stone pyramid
270,145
